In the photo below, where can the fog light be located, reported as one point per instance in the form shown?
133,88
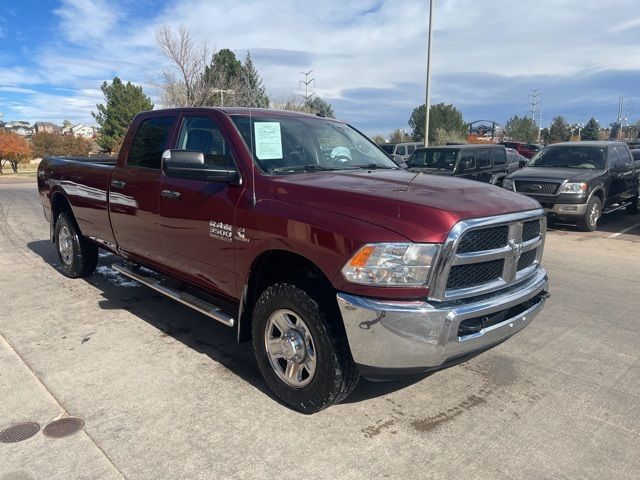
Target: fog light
569,208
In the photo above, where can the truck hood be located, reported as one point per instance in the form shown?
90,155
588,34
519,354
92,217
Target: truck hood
422,208
555,174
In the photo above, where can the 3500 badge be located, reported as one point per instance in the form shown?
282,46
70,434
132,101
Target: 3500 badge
221,231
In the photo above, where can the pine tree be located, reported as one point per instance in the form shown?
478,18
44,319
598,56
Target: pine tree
253,91
558,131
123,102
521,129
591,130
319,106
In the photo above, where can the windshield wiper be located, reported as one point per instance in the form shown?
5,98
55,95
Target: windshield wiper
313,167
370,166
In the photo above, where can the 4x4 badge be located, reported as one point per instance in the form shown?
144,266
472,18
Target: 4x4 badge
240,235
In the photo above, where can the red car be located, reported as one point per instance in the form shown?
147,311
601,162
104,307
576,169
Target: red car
527,150
304,237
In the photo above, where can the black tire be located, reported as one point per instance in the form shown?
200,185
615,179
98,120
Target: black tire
335,376
634,207
589,222
78,257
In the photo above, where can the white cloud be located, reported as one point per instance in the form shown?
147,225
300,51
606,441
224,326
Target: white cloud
85,20
350,45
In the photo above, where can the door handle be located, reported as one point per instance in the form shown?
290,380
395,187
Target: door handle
118,184
170,194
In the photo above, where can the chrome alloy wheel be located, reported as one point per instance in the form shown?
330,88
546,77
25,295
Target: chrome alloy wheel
290,348
65,245
594,214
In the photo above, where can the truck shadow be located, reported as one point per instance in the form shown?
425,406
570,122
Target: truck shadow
194,330
612,222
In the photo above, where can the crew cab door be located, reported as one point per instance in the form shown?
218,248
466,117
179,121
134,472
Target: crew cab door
626,178
197,212
468,165
485,165
135,188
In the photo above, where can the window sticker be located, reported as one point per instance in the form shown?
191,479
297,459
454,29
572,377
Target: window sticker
268,140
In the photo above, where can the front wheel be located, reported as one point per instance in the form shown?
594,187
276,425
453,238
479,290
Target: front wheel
78,257
589,222
302,355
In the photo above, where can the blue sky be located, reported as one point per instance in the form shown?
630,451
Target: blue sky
368,56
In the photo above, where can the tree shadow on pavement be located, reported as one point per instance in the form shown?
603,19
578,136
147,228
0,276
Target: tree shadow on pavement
189,327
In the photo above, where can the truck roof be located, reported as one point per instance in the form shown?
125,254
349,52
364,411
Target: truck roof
587,143
242,111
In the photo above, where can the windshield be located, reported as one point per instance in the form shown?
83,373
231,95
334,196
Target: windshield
569,157
283,145
444,159
388,148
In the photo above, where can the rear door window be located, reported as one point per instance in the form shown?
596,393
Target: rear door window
411,149
499,156
401,150
484,158
151,139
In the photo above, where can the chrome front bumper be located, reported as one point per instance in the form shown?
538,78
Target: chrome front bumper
569,209
422,336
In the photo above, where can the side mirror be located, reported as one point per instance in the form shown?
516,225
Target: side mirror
522,163
191,164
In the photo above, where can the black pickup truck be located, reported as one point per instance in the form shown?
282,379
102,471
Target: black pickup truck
577,181
485,163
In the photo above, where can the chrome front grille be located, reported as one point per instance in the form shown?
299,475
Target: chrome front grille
488,254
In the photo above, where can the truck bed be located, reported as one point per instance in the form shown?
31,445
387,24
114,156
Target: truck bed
85,183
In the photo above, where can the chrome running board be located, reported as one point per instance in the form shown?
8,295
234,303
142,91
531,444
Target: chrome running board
202,306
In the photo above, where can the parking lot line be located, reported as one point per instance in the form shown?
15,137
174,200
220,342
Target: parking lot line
623,231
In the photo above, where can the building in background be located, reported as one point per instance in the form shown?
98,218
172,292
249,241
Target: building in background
46,127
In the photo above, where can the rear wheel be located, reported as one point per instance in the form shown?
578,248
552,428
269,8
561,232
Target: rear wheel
589,222
301,354
634,207
78,257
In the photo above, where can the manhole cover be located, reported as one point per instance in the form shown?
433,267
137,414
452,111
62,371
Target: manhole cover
19,432
63,427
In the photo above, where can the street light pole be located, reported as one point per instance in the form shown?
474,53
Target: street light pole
427,103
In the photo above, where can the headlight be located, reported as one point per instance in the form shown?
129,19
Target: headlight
574,188
391,264
507,183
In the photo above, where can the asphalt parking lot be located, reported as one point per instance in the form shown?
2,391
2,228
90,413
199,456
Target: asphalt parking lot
166,393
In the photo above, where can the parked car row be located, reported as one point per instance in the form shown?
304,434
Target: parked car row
486,163
575,182
578,181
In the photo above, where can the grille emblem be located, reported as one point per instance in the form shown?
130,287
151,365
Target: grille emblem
535,187
516,250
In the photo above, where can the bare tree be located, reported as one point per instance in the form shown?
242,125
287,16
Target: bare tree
184,84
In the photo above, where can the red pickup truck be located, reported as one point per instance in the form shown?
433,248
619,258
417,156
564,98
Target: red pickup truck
301,234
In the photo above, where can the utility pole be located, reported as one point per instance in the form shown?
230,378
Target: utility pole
306,82
222,92
535,103
427,103
627,114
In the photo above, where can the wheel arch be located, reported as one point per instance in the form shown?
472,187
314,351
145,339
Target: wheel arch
598,192
270,267
60,204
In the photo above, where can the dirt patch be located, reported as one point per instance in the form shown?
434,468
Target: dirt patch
430,423
376,429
